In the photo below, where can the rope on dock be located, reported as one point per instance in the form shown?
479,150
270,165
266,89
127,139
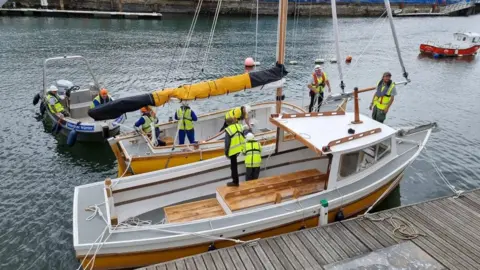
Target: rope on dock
402,228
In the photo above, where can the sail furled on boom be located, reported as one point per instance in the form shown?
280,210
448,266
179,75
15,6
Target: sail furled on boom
201,90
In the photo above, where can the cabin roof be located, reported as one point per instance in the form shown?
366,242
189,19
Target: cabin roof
468,34
328,129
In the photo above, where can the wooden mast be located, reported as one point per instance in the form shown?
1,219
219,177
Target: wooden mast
281,39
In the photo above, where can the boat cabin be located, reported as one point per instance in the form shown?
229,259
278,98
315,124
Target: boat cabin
469,37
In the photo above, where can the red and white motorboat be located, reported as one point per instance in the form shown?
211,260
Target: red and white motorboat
465,44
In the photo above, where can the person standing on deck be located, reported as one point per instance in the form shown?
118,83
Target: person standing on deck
253,157
102,98
383,97
317,86
185,117
239,113
145,121
234,145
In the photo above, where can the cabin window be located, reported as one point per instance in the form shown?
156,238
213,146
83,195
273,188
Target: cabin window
354,162
464,38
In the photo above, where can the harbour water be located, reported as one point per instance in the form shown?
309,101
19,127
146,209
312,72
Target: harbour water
39,171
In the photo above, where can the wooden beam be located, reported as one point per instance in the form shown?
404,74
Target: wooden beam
357,109
354,137
312,114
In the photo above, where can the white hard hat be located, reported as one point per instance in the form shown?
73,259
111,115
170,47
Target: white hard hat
318,67
52,88
247,108
250,137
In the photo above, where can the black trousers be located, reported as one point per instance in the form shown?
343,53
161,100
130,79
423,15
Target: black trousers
252,173
234,168
312,100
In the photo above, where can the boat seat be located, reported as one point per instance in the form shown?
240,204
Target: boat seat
268,190
80,110
193,211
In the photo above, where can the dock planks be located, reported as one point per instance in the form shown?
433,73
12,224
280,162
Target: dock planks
450,237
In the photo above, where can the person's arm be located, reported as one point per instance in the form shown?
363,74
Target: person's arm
371,103
247,121
95,103
227,143
328,84
52,102
194,116
139,122
176,116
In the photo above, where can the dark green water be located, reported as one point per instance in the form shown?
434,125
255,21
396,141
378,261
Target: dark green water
38,171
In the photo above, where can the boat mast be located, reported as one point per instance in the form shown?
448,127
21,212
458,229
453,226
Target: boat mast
281,39
337,45
392,27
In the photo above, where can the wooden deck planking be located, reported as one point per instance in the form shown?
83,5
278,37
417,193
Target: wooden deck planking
450,226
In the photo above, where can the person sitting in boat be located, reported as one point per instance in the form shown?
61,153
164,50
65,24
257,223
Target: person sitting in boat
54,102
239,113
383,98
102,98
253,157
234,145
144,122
185,117
317,86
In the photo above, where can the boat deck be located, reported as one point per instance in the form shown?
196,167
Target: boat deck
448,239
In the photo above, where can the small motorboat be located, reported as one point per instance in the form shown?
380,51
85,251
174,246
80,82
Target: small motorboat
76,102
465,44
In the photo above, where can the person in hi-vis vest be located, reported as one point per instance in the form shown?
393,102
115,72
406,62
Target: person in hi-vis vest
383,98
317,86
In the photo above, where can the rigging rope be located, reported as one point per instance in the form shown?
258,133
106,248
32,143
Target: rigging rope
190,33
212,33
294,30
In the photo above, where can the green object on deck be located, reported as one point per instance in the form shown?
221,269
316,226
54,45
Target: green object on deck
324,203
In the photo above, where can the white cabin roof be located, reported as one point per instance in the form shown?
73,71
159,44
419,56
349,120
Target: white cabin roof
319,131
467,34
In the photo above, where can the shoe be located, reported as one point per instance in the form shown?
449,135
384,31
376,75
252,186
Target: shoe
232,184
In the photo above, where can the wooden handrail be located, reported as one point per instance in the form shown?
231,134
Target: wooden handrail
312,114
354,137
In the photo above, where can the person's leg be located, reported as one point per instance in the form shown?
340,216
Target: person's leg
234,170
249,174
319,101
256,173
374,113
181,136
191,135
381,115
312,99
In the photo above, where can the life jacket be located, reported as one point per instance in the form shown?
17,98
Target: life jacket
318,84
58,107
237,140
184,115
383,94
253,152
147,127
236,113
100,100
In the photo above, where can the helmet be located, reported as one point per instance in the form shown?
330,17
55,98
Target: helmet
250,137
247,108
318,67
103,91
53,88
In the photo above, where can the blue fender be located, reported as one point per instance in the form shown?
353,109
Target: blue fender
72,136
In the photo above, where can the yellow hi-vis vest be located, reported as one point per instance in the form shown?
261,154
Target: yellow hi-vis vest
237,141
253,152
382,97
319,83
235,113
58,107
100,100
146,127
185,120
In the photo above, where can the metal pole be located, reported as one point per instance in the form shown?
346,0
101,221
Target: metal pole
337,45
392,27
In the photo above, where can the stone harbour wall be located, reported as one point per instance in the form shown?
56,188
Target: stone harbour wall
233,7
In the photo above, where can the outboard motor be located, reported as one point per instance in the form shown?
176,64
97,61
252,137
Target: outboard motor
63,86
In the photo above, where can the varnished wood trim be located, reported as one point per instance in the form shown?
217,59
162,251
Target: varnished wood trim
312,114
296,136
354,137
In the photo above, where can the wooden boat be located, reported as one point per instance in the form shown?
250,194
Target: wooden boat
349,171
136,153
465,44
320,166
77,101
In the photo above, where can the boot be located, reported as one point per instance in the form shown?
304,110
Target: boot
232,184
